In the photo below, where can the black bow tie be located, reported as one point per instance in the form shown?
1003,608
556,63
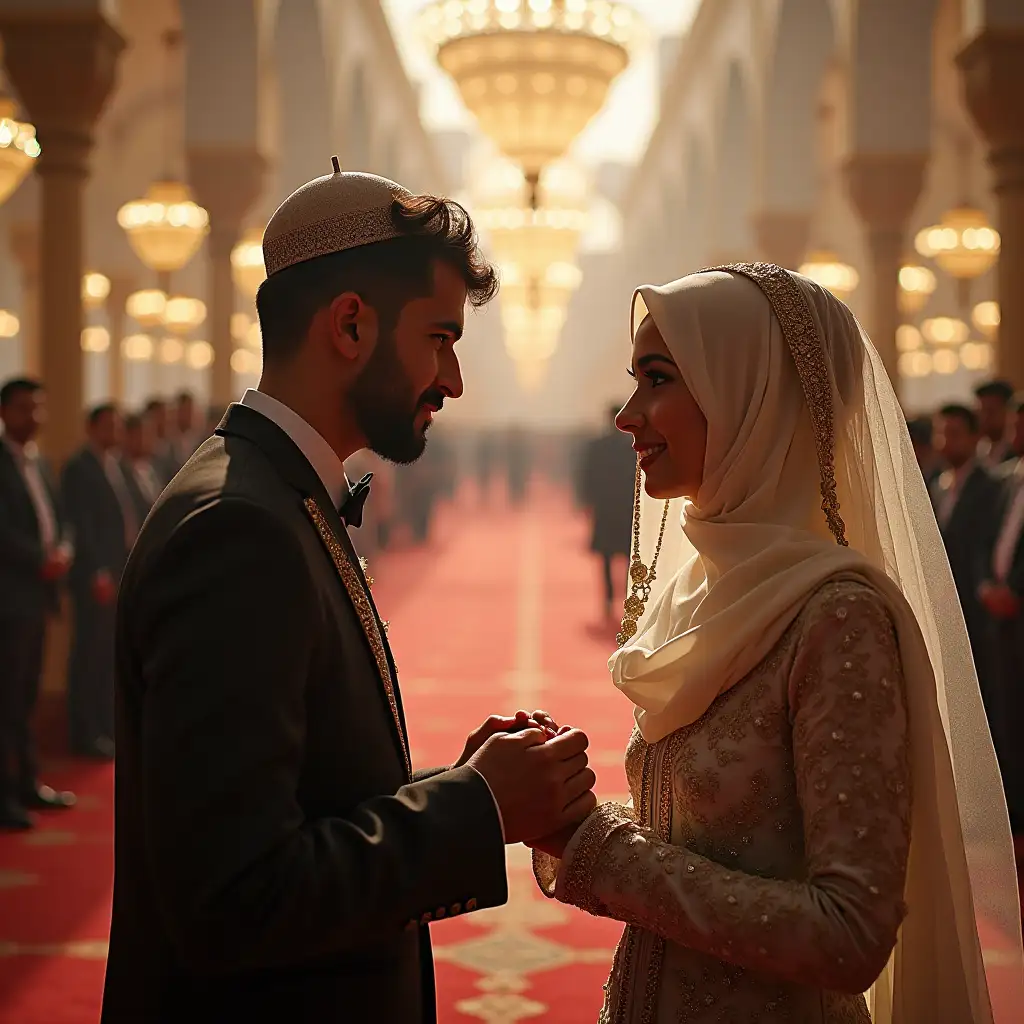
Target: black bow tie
351,507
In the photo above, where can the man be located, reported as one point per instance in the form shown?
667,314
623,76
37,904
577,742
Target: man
276,858
188,434
964,496
35,555
1002,596
920,429
608,473
105,522
141,477
164,459
994,445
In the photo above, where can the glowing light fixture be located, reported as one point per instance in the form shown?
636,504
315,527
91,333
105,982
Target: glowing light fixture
9,324
166,228
183,315
137,348
828,270
915,364
533,73
908,338
95,339
147,307
19,148
240,323
986,318
245,362
198,355
247,265
976,355
170,351
945,330
945,360
963,244
95,289
916,286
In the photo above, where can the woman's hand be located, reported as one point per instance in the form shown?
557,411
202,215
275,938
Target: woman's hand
554,845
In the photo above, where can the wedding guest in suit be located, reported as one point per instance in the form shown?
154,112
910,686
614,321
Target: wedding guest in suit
188,432
105,522
995,443
277,857
963,497
137,464
1002,595
920,429
164,459
606,490
35,554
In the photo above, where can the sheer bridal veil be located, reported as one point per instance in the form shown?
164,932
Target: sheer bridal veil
961,868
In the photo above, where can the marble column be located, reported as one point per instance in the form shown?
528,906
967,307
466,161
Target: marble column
884,188
992,67
121,286
783,236
24,237
227,181
62,65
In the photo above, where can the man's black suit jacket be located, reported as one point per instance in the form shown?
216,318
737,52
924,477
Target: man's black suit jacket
23,591
273,858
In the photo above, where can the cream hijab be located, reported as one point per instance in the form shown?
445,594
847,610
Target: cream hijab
809,474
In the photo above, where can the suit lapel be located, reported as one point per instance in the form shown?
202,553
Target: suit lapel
295,468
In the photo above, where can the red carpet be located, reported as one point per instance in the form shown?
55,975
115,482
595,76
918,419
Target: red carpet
498,613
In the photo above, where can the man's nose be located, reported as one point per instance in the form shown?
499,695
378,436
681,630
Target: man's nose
449,377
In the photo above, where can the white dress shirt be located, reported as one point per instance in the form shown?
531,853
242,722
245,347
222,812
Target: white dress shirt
27,461
955,479
324,460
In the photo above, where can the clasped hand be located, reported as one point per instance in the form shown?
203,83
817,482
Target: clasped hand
539,774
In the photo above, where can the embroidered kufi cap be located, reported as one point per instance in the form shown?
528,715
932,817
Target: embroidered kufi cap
339,211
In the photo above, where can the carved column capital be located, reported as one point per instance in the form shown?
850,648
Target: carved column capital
228,182
992,69
782,236
63,66
885,187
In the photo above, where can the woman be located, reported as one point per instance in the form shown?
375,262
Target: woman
803,690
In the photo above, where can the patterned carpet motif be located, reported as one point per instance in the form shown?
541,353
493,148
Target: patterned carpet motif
497,613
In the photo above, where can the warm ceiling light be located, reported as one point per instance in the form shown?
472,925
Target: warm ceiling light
533,74
976,355
247,267
95,289
916,286
945,330
9,324
95,339
915,364
146,307
945,360
19,149
166,228
245,362
963,244
825,268
199,355
182,314
240,325
170,351
986,318
908,338
137,347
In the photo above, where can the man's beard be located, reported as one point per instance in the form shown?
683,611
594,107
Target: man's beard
386,406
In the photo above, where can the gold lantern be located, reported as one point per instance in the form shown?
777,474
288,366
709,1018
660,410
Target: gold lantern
916,286
166,228
964,244
19,148
247,265
182,315
945,331
828,270
137,348
986,318
533,72
146,307
95,338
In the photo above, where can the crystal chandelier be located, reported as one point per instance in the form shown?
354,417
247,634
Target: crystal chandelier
533,72
166,228
19,149
964,244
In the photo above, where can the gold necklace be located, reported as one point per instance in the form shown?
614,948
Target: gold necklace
640,576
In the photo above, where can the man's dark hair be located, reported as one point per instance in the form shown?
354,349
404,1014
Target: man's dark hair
154,403
18,386
386,275
184,396
97,412
920,430
995,389
958,411
134,421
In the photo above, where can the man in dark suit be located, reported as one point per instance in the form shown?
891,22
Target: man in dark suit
1002,595
607,475
276,856
35,555
104,521
164,459
963,497
141,476
995,444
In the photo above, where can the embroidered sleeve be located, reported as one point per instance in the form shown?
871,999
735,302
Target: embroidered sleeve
836,928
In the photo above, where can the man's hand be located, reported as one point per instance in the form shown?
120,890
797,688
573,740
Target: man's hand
104,590
555,843
505,723
540,784
57,564
1000,601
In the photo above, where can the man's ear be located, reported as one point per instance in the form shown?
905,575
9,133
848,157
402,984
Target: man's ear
353,326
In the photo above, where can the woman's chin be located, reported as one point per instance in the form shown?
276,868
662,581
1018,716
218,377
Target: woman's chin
661,490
